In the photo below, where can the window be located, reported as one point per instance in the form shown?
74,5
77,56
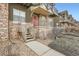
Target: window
50,22
42,21
18,15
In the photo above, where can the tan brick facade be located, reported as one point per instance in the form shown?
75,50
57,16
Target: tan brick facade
4,39
3,22
13,31
13,35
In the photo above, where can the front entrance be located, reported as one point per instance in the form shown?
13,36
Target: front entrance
35,22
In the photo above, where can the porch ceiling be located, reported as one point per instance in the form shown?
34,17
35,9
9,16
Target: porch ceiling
39,10
29,4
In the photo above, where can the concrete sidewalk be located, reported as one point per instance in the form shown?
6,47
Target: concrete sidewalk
42,50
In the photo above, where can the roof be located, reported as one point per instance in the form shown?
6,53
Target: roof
63,12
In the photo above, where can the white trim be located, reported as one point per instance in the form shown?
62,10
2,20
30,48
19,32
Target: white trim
18,22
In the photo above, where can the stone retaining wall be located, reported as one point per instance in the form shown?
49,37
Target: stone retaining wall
69,45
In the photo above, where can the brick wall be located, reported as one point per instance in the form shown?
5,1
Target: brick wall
3,22
4,42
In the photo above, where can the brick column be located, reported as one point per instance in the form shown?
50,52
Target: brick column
4,42
3,22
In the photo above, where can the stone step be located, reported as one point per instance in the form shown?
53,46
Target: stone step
28,40
68,36
28,33
72,34
29,37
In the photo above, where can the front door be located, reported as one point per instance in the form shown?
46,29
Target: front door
35,22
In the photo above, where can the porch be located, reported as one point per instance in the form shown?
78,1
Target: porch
28,23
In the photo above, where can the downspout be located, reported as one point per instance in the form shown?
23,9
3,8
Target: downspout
10,42
9,23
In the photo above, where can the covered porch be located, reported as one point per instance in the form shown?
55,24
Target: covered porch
34,22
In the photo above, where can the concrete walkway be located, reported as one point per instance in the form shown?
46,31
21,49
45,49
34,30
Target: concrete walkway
42,50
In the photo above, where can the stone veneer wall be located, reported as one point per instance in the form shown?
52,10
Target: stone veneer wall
18,48
19,31
4,40
13,31
67,44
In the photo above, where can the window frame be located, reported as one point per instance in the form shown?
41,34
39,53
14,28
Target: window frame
19,15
